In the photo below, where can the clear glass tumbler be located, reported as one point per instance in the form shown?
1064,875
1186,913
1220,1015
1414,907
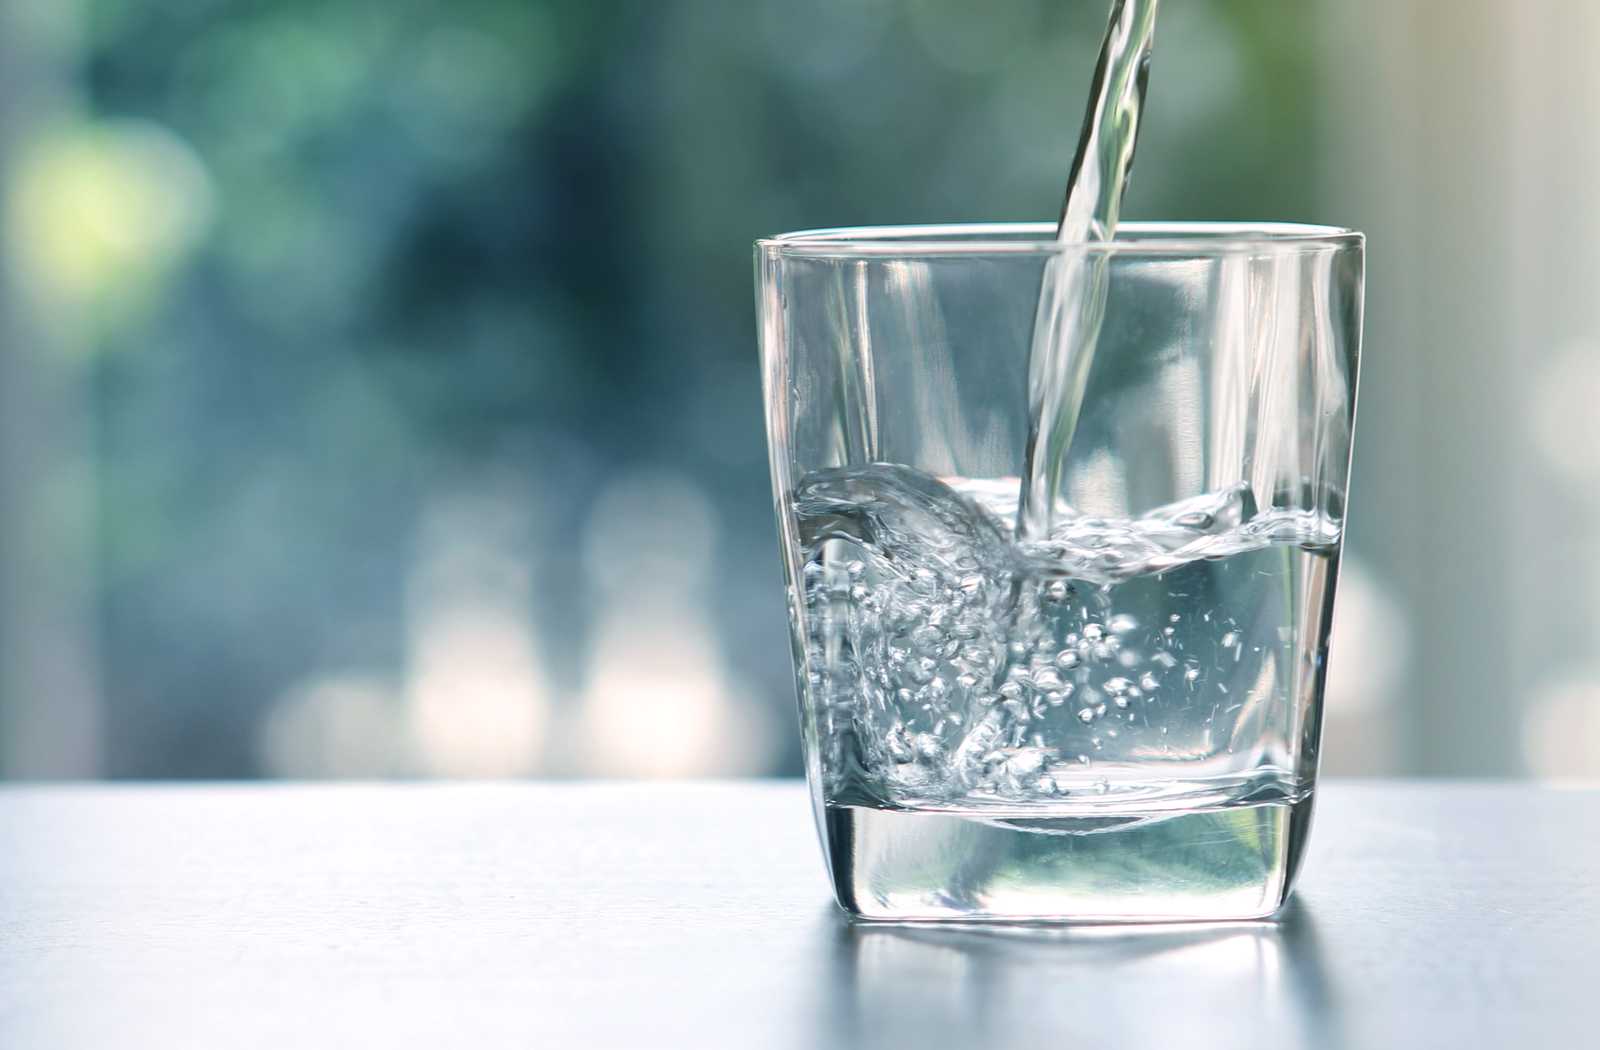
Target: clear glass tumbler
1109,711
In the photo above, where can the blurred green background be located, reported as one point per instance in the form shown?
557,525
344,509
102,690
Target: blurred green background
378,391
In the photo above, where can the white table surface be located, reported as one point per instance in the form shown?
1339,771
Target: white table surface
696,915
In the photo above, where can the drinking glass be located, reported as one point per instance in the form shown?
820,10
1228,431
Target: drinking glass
1110,711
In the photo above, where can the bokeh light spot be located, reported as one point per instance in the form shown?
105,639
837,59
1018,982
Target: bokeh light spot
102,207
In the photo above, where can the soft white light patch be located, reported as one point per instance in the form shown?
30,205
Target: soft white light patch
658,698
1561,728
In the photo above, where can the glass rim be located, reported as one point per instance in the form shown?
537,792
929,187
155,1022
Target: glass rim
1039,238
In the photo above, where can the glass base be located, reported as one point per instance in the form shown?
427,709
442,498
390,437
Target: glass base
901,865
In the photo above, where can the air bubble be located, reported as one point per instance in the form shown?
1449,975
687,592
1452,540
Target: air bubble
1067,659
1093,631
1122,623
1147,681
895,741
1086,715
1230,639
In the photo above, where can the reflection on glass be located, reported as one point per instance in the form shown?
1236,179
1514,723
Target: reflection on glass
1226,986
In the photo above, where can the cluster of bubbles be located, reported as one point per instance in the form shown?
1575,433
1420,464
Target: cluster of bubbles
944,668
939,698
